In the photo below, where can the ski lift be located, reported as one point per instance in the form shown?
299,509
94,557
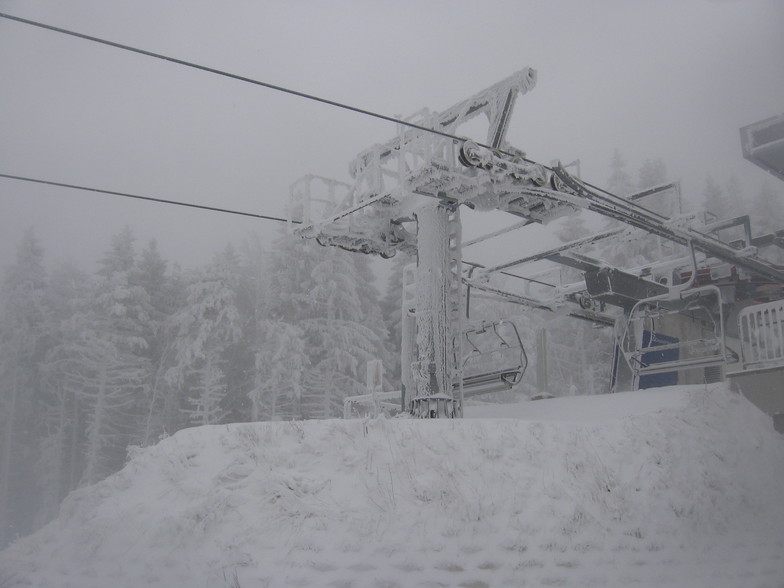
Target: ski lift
674,332
494,358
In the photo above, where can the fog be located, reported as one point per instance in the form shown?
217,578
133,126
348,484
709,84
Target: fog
672,80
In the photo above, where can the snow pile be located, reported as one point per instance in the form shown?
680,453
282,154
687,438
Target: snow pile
676,487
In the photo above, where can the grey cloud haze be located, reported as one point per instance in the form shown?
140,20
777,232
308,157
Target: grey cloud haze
668,79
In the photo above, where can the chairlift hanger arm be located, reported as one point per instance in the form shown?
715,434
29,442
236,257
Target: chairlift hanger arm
575,260
499,232
551,306
554,251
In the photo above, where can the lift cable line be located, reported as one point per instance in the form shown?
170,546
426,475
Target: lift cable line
145,198
607,195
511,275
231,75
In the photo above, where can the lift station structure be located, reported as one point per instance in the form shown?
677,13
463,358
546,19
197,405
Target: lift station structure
686,318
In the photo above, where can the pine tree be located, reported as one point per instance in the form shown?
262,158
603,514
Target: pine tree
714,204
107,381
342,341
652,173
280,366
207,393
572,228
291,282
121,255
22,344
206,327
735,199
619,182
108,356
100,368
150,274
59,463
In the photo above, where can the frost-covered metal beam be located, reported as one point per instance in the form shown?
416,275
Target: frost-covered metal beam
550,305
391,181
570,190
681,235
495,102
555,251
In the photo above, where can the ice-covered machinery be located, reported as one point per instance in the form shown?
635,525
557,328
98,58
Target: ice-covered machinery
406,196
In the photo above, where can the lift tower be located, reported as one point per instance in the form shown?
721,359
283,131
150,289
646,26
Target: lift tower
406,196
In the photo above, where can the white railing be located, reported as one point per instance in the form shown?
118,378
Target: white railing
762,335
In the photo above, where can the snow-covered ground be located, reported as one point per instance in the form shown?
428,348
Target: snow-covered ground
673,487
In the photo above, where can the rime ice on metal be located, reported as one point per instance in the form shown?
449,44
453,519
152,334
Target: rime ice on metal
406,195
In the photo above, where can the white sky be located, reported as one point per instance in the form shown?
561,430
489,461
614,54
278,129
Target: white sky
674,79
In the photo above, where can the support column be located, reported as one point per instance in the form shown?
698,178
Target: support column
435,312
408,348
541,362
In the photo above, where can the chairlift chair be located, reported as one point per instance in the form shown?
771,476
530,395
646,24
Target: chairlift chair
494,358
675,332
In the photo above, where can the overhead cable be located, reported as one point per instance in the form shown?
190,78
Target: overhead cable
230,75
146,198
532,280
277,88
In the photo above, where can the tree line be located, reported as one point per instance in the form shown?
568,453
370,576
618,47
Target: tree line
91,365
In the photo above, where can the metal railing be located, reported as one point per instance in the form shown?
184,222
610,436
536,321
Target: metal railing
762,335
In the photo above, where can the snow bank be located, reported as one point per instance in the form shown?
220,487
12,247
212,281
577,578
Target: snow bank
677,487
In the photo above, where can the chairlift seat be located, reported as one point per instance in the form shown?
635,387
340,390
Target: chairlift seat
690,354
487,342
491,382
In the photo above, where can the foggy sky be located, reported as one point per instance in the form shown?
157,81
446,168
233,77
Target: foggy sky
671,79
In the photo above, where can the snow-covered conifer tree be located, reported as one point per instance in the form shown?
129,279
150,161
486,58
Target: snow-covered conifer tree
22,344
207,393
206,326
652,173
736,201
715,203
163,296
280,366
342,341
59,461
620,182
103,359
107,381
328,295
